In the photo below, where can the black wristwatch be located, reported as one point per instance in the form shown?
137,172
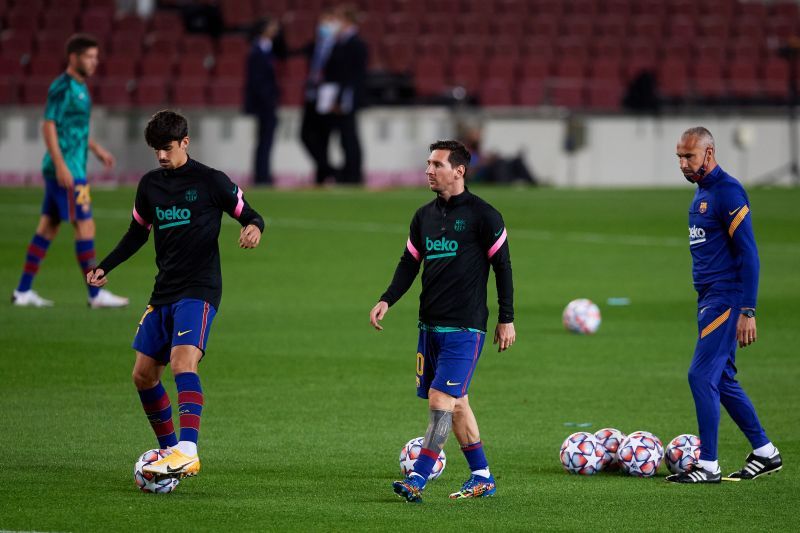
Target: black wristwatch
749,313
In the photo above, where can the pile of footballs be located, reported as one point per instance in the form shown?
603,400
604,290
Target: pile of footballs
638,454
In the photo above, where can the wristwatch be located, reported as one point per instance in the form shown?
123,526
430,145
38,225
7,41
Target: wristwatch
749,312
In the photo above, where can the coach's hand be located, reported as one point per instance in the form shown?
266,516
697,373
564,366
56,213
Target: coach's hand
250,236
377,314
96,277
504,335
746,331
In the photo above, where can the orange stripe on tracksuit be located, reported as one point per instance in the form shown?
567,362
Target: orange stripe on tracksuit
738,220
709,329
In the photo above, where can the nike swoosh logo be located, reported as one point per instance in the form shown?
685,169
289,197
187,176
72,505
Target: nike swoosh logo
182,333
731,213
498,232
178,469
451,384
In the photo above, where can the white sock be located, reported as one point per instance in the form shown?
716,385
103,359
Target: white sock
767,450
483,472
711,466
187,447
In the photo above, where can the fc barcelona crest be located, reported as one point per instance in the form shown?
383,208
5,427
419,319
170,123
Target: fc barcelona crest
460,225
703,207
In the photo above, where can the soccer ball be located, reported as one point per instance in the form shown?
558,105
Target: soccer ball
640,454
582,454
409,454
610,438
581,316
148,482
684,450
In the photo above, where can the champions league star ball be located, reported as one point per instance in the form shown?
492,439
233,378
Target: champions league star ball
640,454
682,451
610,438
410,453
148,482
581,316
582,454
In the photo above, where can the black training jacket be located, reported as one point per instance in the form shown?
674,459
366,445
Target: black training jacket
456,241
184,208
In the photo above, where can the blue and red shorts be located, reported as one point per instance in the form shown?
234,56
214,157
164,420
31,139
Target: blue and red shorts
446,359
185,322
68,205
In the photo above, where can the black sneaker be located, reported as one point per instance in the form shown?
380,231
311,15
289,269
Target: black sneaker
696,474
755,465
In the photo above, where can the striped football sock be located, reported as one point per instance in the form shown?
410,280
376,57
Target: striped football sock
158,409
37,249
84,251
190,404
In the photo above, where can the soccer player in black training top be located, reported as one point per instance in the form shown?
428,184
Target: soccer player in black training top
456,237
182,202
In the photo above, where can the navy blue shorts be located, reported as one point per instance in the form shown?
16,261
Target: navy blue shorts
446,361
185,322
67,205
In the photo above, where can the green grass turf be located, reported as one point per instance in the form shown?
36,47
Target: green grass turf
307,407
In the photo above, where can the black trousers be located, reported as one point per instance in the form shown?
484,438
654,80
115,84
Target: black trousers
267,121
315,133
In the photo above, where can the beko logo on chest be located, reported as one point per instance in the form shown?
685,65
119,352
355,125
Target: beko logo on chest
173,215
440,245
696,235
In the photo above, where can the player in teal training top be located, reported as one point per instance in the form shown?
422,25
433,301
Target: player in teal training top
66,198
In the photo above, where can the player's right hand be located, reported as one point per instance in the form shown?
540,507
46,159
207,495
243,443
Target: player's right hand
377,314
64,176
96,277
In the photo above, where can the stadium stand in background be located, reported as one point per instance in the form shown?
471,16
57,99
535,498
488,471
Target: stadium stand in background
580,54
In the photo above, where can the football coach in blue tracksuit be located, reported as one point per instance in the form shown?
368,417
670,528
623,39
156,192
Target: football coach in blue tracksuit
725,271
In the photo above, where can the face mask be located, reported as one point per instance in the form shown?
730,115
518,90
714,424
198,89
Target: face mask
328,29
697,176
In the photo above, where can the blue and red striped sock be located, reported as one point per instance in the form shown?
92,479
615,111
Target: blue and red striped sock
424,464
84,251
158,409
37,249
190,404
475,456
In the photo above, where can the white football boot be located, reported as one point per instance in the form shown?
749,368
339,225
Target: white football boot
107,299
30,298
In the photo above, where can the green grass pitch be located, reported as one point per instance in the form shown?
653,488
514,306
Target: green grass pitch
307,406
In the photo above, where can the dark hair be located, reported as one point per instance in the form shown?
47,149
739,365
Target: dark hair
459,155
79,43
164,127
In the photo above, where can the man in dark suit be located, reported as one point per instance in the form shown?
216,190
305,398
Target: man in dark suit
315,128
346,69
262,95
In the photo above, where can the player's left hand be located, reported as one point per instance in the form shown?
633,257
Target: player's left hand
746,331
504,336
250,236
105,157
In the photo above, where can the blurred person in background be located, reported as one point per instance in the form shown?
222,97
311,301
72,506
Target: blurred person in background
262,94
346,73
315,128
67,198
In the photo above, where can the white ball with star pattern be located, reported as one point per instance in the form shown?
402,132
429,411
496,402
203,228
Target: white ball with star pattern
640,454
582,453
581,316
409,455
682,451
148,482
